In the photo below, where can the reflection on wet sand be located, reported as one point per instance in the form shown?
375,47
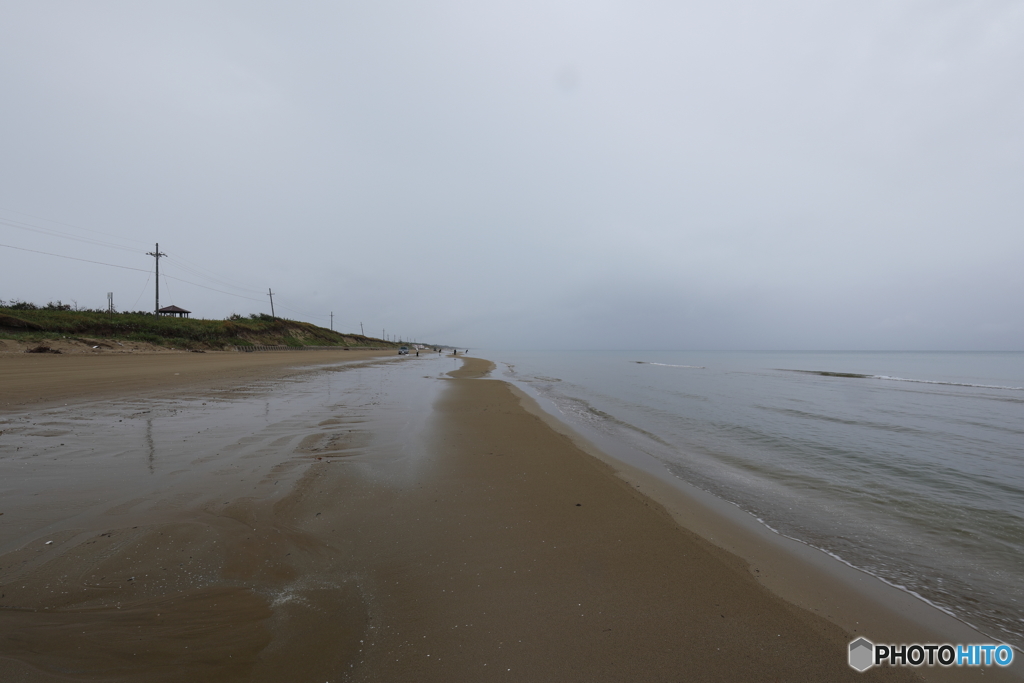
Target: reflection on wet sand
149,443
219,565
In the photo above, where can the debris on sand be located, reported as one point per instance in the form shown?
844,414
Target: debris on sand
42,349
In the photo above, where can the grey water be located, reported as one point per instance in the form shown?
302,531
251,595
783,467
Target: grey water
907,465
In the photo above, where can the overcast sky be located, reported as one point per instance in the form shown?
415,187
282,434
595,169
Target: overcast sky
593,174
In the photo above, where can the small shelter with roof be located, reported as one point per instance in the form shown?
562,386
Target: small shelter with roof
173,311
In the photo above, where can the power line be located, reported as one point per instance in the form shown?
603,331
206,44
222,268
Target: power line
69,225
142,292
193,268
88,240
177,262
166,277
114,265
96,242
196,284
56,233
36,251
183,264
303,313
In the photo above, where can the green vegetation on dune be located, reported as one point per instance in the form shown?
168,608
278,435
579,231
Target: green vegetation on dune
22,321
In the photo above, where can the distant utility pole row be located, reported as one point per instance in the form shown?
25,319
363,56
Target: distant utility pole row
270,293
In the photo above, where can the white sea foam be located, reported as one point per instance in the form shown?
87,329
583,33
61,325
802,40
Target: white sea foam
669,365
840,558
853,375
949,384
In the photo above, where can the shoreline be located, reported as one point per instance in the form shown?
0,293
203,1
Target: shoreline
803,576
531,557
807,577
417,521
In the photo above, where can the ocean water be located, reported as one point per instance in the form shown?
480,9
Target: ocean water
907,465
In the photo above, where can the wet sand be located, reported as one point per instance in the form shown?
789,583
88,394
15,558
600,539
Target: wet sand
380,520
45,379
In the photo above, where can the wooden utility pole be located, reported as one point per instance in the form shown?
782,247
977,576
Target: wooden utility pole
157,254
361,330
332,321
272,315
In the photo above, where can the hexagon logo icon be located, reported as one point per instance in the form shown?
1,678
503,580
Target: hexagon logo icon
862,654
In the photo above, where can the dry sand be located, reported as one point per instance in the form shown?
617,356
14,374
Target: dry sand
385,520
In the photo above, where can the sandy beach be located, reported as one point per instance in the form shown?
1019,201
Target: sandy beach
44,379
353,516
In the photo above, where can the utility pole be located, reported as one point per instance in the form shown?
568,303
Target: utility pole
332,321
157,254
271,304
361,330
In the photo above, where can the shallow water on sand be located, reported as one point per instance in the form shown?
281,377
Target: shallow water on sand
907,465
176,537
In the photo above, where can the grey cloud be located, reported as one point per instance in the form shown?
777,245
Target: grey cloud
733,175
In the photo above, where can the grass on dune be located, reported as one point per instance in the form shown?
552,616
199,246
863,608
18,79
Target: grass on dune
22,321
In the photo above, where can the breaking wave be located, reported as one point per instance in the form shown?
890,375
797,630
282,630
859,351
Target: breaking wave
669,365
854,375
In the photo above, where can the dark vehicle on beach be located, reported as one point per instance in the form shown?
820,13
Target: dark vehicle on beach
404,351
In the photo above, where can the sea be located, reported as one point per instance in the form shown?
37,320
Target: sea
906,465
